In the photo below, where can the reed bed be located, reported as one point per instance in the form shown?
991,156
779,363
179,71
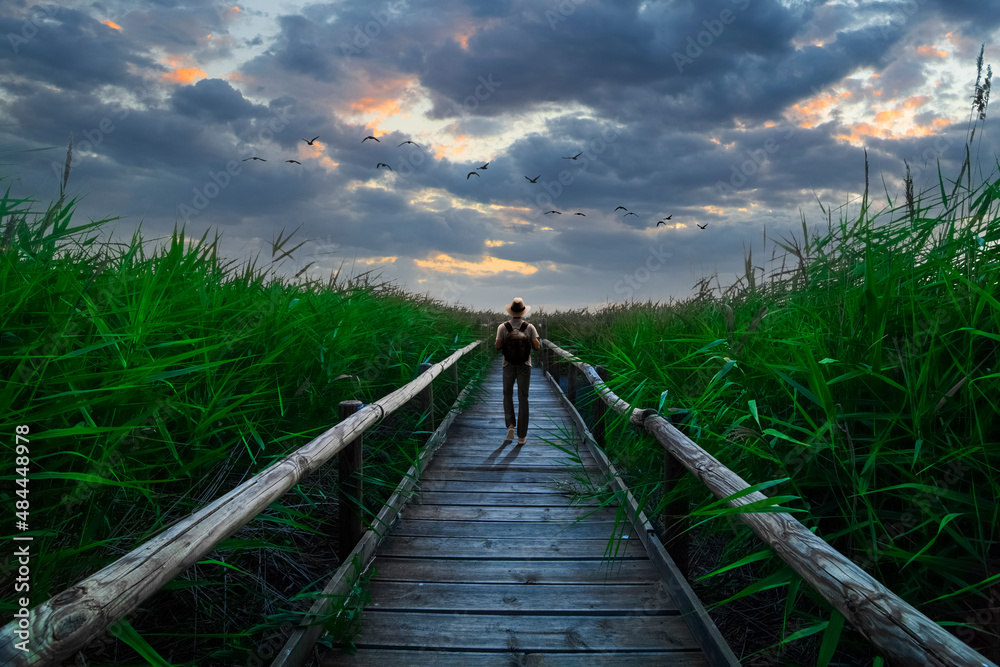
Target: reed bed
153,384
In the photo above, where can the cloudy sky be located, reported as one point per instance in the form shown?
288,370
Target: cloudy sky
732,114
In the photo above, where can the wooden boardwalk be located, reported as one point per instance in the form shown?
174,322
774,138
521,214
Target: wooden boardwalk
487,565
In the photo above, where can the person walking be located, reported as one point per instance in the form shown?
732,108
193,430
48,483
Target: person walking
516,350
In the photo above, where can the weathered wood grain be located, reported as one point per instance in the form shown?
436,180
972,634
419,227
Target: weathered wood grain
523,632
382,658
414,527
532,514
564,571
507,548
478,598
502,499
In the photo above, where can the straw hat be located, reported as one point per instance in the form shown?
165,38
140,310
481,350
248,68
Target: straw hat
517,308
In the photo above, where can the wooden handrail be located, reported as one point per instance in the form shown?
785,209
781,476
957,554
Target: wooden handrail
892,625
303,638
66,622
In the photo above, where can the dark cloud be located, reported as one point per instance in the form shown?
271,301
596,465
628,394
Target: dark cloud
213,100
677,108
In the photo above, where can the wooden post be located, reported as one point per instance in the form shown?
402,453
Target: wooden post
675,537
571,388
453,378
554,370
427,399
600,409
349,493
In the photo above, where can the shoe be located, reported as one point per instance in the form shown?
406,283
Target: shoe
510,432
521,441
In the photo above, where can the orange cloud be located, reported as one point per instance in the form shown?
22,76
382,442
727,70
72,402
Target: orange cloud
928,50
388,107
180,73
487,266
888,116
111,24
455,149
916,101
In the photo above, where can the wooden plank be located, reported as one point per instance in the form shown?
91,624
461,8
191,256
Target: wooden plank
528,451
504,548
557,485
477,598
519,461
437,474
493,529
522,632
441,570
533,514
447,469
374,657
502,499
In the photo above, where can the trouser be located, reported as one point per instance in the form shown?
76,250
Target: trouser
522,374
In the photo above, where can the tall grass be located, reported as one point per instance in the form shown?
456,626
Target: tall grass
866,372
153,384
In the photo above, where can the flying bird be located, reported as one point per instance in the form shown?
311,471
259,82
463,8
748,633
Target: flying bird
471,173
383,164
574,157
295,161
408,142
310,141
254,158
669,216
661,222
559,212
701,226
583,214
535,179
621,207
629,213
369,137
484,166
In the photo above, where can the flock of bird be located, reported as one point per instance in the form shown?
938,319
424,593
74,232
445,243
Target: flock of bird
475,172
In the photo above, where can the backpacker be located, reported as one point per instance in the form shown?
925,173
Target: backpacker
516,345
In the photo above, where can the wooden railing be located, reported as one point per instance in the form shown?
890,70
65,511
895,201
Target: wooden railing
893,626
68,621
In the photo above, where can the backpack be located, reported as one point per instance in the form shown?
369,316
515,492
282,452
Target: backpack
516,345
